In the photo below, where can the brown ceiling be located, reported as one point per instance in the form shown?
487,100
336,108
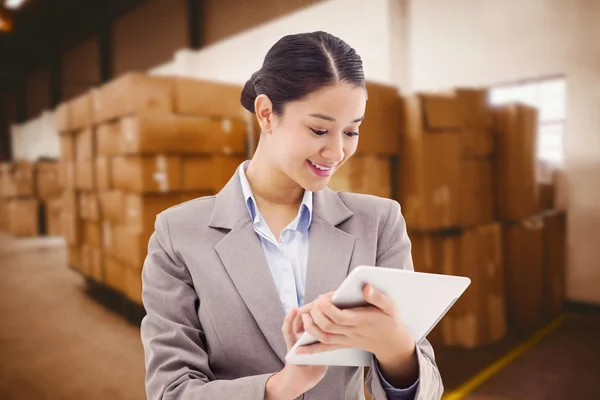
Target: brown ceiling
44,29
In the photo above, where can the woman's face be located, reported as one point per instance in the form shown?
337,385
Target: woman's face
316,135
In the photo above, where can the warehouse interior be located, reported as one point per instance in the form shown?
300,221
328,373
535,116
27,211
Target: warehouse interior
480,122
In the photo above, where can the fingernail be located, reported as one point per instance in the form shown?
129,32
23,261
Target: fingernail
371,291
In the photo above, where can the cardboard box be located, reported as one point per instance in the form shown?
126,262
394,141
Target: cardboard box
81,112
131,244
4,215
428,181
7,182
71,202
523,255
158,134
63,120
84,145
476,194
114,274
555,259
96,263
141,210
103,173
48,182
111,206
89,206
475,115
66,177
478,142
53,209
85,260
429,162
147,174
208,98
23,217
67,147
479,316
474,108
364,174
108,139
131,238
517,190
133,93
23,179
85,176
208,174
546,193
108,242
71,228
380,131
92,234
133,283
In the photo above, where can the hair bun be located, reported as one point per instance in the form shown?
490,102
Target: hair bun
249,94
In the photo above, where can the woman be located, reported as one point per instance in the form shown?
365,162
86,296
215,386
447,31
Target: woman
231,281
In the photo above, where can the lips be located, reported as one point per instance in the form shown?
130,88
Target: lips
320,169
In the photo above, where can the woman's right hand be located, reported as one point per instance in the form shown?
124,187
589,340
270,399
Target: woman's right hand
293,380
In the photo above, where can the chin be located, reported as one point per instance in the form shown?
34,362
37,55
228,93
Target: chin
315,185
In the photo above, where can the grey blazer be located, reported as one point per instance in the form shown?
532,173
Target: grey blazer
213,323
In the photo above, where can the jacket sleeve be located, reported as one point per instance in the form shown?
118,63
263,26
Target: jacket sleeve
177,364
394,251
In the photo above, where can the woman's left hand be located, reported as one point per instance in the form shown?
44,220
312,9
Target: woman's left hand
377,328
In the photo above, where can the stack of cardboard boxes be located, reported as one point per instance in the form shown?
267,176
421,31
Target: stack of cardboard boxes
149,143
534,234
445,189
21,207
30,198
369,170
468,190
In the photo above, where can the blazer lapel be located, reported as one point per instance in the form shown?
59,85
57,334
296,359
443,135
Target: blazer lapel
330,248
329,256
243,257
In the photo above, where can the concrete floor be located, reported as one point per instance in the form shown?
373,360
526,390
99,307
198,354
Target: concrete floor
56,342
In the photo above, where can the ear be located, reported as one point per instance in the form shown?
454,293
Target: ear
263,107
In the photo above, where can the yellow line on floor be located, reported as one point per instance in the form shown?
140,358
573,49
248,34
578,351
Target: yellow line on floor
462,391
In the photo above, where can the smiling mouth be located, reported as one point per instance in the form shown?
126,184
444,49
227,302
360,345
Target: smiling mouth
319,166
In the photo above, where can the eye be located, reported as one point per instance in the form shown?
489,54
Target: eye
318,132
351,134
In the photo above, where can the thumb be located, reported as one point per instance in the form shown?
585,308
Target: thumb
378,299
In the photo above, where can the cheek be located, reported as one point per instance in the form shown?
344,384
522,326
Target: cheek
350,147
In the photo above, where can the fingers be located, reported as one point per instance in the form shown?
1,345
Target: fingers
348,318
318,334
287,328
379,300
317,348
323,322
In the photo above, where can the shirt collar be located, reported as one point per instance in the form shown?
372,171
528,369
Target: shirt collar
302,220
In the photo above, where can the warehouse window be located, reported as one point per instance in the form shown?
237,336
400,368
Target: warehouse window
548,96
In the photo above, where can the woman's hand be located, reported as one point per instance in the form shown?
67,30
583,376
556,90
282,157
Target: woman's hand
377,329
293,380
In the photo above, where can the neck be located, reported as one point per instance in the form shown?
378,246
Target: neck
270,185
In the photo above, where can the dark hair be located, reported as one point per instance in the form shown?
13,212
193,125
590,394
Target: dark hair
300,64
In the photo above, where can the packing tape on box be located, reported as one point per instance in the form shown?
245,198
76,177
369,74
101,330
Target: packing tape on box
161,176
106,235
226,125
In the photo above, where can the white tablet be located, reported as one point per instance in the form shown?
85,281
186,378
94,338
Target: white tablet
422,299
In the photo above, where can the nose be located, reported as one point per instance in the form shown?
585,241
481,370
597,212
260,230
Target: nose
334,148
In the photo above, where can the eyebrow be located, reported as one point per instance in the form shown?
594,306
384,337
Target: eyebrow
327,118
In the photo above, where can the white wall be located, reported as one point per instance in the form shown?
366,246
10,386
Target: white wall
474,42
365,25
36,138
